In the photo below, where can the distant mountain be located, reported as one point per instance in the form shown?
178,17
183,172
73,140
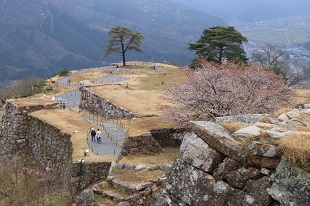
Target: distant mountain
250,10
41,37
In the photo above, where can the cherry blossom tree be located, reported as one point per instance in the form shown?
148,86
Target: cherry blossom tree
227,89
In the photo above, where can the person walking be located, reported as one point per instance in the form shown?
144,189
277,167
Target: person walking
98,135
93,135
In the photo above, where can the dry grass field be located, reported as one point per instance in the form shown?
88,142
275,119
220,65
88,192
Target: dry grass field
32,101
302,96
143,93
141,126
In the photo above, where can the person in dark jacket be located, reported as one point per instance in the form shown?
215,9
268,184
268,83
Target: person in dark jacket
93,135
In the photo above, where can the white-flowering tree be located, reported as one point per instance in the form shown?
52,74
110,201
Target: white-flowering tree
227,89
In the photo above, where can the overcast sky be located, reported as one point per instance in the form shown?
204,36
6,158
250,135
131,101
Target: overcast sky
249,10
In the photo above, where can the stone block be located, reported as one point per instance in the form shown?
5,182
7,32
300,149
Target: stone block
141,186
195,187
291,185
140,167
218,138
129,167
226,167
85,198
153,167
123,203
248,131
119,165
263,148
166,168
239,177
199,154
258,189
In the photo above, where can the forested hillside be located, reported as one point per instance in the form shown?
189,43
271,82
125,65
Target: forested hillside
41,37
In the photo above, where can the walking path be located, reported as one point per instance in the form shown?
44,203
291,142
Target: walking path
106,147
113,136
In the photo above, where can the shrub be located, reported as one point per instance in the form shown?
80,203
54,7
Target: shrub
64,72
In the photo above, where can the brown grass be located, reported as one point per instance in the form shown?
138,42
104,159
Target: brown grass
282,111
234,126
68,122
167,157
33,101
302,129
265,120
137,101
296,149
130,176
141,126
160,79
302,96
88,75
144,93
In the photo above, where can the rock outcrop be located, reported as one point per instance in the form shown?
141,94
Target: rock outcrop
224,168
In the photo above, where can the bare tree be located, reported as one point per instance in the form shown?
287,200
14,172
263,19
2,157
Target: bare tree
272,58
23,184
277,60
227,89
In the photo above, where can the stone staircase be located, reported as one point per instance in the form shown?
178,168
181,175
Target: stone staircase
121,193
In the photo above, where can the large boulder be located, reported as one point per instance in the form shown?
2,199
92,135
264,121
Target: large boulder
85,198
291,185
239,177
219,138
258,189
225,168
188,185
199,154
165,200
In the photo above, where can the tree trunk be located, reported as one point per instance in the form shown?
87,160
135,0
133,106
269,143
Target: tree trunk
123,54
220,54
124,61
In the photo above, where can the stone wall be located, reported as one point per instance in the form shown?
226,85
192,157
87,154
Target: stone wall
144,144
86,173
217,169
15,127
50,147
151,143
168,137
99,106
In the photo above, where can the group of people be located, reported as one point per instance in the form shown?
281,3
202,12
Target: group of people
95,135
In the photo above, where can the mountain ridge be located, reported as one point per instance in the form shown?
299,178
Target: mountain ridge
39,38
